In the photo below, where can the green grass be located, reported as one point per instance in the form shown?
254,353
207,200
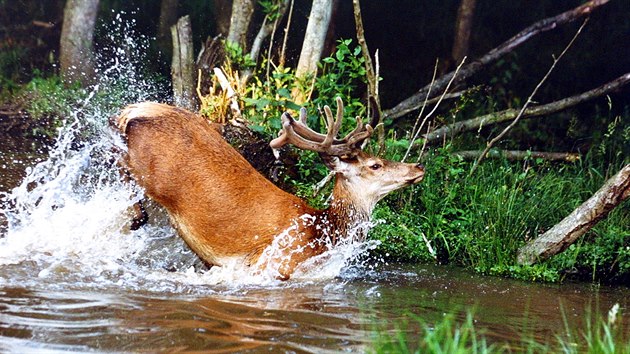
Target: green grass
602,334
479,221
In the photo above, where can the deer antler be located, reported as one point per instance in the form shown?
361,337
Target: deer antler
299,134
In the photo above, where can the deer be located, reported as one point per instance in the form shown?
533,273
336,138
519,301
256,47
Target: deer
225,210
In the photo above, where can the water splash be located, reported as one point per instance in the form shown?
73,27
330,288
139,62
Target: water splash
67,221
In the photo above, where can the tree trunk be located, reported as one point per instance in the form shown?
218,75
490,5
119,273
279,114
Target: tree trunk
314,40
242,11
582,219
463,26
182,67
77,34
168,17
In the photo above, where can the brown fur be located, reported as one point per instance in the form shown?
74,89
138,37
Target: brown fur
221,206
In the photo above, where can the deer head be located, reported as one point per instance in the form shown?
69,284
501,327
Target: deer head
361,179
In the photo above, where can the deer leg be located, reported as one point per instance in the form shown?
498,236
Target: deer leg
140,216
139,213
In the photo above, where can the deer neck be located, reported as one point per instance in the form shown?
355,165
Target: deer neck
347,215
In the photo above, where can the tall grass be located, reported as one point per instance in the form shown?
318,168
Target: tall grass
599,334
479,221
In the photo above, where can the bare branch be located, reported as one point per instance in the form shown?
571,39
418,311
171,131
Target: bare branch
364,49
434,108
516,155
414,102
529,99
286,36
266,29
485,120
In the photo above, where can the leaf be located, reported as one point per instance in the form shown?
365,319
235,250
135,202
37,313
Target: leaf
284,92
257,128
292,105
340,54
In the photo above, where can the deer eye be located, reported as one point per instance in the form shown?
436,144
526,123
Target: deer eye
375,166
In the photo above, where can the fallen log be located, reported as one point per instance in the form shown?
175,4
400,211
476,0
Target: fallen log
582,219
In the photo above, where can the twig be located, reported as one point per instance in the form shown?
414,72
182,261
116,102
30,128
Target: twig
529,99
321,184
424,145
425,239
372,77
231,94
434,107
266,29
369,69
286,36
414,132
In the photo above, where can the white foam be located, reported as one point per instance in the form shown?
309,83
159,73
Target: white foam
68,219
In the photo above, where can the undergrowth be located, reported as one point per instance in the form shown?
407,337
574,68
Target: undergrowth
477,221
480,221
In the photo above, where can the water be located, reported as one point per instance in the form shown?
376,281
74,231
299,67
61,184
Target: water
73,277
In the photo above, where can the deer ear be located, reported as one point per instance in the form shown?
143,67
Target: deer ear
332,162
338,164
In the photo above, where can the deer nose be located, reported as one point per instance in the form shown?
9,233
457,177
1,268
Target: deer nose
420,166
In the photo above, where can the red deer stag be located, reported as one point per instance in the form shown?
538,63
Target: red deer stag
225,210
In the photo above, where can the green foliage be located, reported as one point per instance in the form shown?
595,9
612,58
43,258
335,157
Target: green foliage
342,71
270,8
481,221
445,336
237,56
269,96
49,101
9,69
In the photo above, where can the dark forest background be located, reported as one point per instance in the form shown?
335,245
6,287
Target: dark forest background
409,35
